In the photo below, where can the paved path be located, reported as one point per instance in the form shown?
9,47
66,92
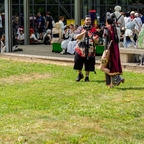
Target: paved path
42,51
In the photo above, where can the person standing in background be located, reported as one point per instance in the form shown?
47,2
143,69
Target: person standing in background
140,40
120,22
40,25
61,21
48,21
142,17
138,24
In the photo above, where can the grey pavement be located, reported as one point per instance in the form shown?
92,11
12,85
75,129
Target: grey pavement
41,51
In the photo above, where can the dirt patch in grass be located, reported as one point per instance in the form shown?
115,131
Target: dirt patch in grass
24,78
37,60
131,67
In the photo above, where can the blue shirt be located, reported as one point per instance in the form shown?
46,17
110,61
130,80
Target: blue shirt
40,19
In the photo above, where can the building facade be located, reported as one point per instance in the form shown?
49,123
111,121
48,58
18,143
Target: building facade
66,7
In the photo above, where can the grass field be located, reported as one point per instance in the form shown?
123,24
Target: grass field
41,103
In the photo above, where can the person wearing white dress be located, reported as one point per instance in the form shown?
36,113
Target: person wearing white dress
72,44
69,35
71,47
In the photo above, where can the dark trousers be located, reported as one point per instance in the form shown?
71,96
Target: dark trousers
1,32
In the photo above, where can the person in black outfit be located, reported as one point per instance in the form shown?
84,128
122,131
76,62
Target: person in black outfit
49,21
47,37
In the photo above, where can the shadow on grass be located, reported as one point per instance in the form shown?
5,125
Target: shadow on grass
131,88
94,81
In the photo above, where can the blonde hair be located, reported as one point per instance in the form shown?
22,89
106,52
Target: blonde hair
57,25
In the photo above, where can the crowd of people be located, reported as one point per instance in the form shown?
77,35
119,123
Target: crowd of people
130,27
120,30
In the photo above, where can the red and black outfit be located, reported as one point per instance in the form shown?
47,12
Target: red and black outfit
85,52
114,60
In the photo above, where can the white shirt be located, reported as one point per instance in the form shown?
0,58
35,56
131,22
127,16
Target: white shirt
121,21
33,36
62,26
21,37
128,32
1,45
126,19
138,23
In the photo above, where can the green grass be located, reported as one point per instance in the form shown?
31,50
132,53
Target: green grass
42,104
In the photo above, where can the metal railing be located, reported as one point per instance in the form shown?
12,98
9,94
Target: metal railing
63,8
2,8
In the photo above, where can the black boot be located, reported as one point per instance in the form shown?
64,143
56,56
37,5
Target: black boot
120,79
87,79
117,79
80,76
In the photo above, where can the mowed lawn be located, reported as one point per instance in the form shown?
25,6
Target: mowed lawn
41,103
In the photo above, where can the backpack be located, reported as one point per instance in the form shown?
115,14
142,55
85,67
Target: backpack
116,19
116,25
